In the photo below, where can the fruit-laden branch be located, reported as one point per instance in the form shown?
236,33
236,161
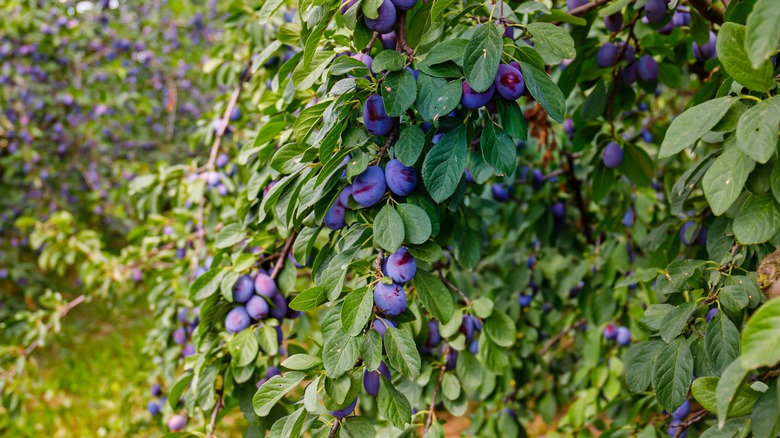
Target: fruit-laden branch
707,10
226,116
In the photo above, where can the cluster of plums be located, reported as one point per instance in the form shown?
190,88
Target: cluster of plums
154,406
368,188
183,334
509,83
390,298
617,333
258,298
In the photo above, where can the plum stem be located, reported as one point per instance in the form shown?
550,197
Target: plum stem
390,140
215,412
370,44
400,45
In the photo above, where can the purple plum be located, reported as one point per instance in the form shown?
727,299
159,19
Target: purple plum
243,289
612,155
473,100
237,320
401,266
390,299
257,307
374,116
509,82
369,187
401,179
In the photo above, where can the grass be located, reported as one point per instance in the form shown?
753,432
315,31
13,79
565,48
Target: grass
91,377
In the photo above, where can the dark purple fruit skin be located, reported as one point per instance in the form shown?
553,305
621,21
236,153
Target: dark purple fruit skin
237,320
334,218
610,332
278,307
389,40
180,336
434,336
623,336
682,411
243,289
607,55
614,22
265,285
612,155
401,266
573,4
509,82
177,423
655,10
473,100
344,196
156,390
385,22
374,116
346,4
346,411
404,5
684,234
369,187
648,68
558,210
381,325
707,51
500,193
452,359
272,371
400,179
367,60
153,407
257,308
630,73
390,299
371,378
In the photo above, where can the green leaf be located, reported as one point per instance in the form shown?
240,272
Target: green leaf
388,60
450,386
482,56
775,178
761,336
301,362
309,299
357,165
469,371
733,428
501,329
615,6
207,284
762,31
498,150
434,296
357,427
308,119
675,278
757,129
402,352
243,347
545,91
330,275
512,119
721,342
356,310
229,235
758,221
304,77
177,389
339,350
410,144
393,405
596,102
725,179
371,350
273,390
672,373
733,298
675,321
764,418
705,391
553,39
483,307
417,224
388,229
727,388
735,59
399,90
428,252
268,339
370,8
693,124
436,97
639,364
444,165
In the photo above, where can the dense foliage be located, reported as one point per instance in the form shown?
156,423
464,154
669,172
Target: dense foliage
547,218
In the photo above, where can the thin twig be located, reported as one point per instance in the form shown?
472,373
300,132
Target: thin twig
370,44
214,412
283,255
559,336
431,410
698,416
334,429
380,257
225,122
584,9
452,286
390,141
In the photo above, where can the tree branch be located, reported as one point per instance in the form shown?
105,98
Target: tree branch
452,286
584,9
225,122
559,336
214,412
282,255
